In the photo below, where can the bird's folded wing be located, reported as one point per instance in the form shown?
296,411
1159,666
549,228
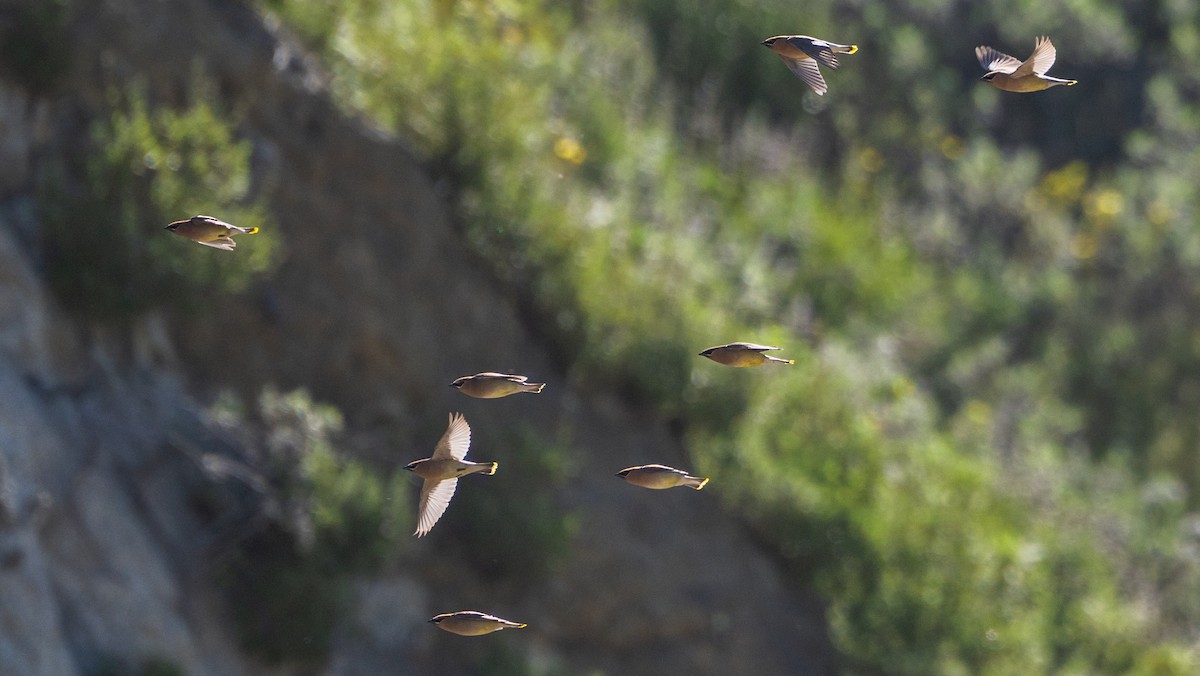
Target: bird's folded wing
1042,58
992,60
817,49
758,348
435,498
456,441
215,221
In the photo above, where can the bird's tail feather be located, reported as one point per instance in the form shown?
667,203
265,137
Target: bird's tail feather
491,469
849,49
535,388
777,359
696,482
252,231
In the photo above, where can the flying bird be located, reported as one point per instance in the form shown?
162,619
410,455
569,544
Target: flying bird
442,470
1007,73
660,476
743,354
473,623
801,54
209,231
491,385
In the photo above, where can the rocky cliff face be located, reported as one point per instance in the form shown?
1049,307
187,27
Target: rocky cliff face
104,553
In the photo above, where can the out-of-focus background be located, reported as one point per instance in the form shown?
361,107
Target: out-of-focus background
986,458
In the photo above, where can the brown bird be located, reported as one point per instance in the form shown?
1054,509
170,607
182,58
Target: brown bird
491,385
801,54
442,470
473,623
1007,73
743,354
660,476
209,231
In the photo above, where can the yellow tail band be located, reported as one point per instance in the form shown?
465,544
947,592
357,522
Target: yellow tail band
492,470
702,483
252,231
853,48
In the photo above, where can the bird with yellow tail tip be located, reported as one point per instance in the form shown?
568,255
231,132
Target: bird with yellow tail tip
743,355
490,385
659,477
473,623
801,54
1012,75
209,231
442,470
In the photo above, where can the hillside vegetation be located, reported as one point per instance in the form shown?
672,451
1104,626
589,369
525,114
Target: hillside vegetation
986,457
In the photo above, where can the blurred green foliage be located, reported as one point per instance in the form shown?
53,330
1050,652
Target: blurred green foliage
514,529
108,255
330,518
986,457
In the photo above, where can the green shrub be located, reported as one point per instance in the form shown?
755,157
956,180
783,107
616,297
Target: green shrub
981,291
333,518
108,255
513,528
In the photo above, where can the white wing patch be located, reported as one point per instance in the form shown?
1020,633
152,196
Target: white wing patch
224,244
456,441
992,60
1042,58
435,498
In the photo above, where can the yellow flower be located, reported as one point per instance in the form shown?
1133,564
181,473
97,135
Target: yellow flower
568,149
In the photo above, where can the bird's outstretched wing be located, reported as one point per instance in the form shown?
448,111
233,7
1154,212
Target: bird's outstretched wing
435,498
225,244
456,441
806,69
992,60
1040,61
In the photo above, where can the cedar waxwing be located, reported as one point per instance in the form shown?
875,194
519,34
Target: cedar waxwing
441,472
495,385
743,354
209,231
473,623
801,54
660,476
1007,73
